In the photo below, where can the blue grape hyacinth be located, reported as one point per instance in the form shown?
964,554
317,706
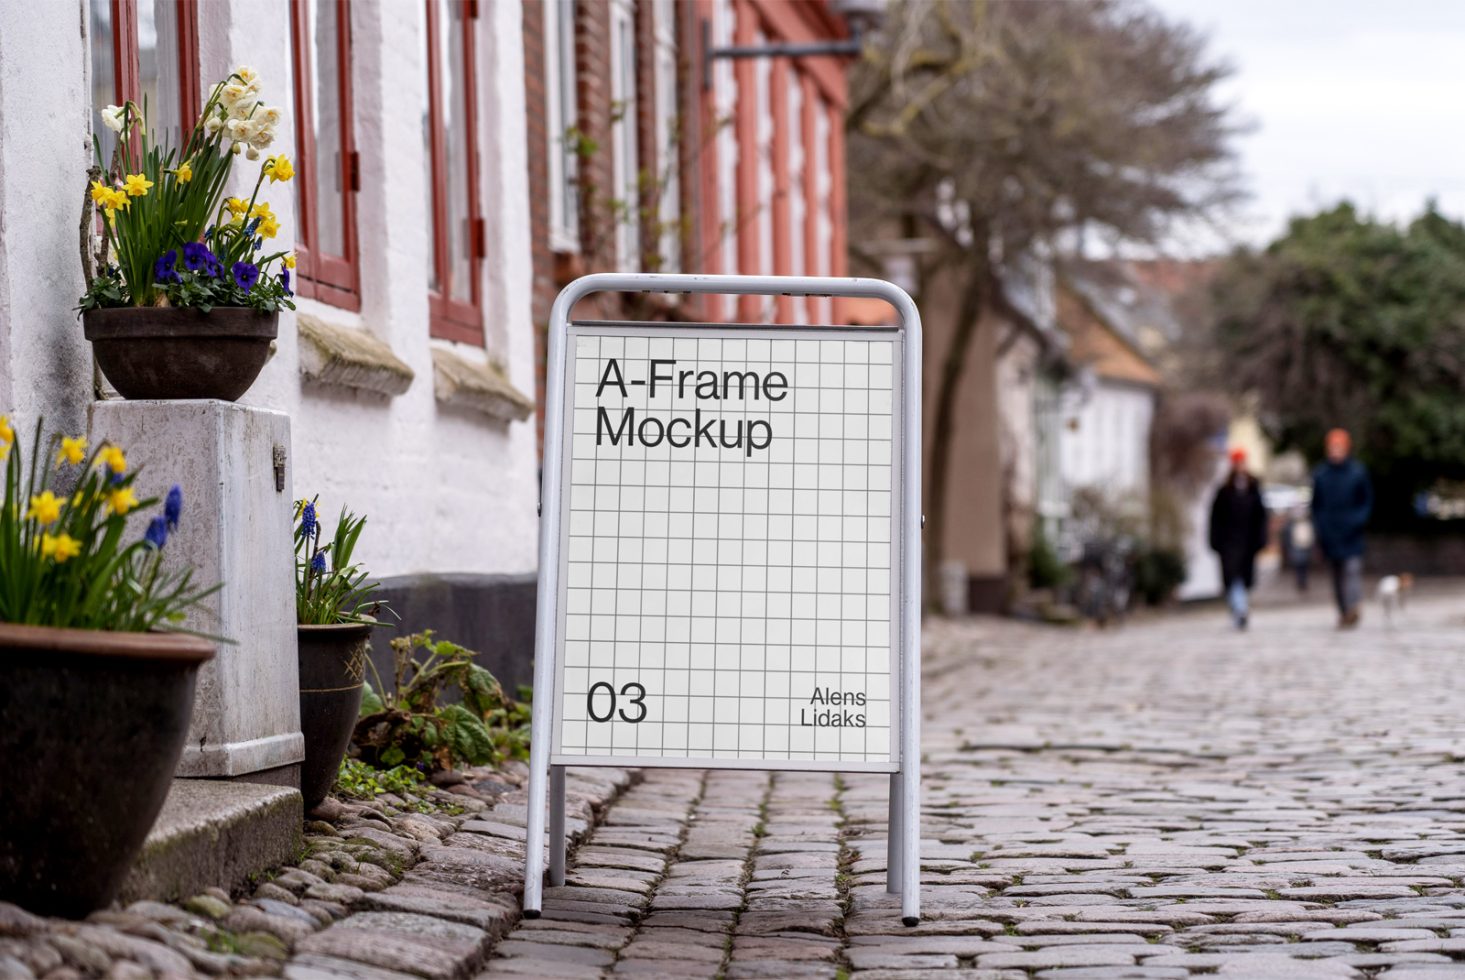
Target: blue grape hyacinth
173,507
157,532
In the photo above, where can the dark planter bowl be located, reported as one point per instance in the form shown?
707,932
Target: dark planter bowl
169,352
91,728
332,671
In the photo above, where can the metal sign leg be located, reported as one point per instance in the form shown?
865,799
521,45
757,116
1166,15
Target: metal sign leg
910,866
534,826
894,838
556,825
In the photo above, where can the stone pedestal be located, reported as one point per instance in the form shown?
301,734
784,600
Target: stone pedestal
233,465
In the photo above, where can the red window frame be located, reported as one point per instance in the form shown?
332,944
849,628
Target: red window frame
451,319
127,60
333,279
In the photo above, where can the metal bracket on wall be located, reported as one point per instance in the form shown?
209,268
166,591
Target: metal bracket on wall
278,458
850,47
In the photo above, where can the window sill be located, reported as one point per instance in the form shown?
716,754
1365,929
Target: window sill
480,387
334,355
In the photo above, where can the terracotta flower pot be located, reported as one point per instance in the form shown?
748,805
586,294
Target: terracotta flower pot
173,353
332,672
93,726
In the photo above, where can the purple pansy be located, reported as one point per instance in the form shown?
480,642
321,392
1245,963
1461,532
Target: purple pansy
285,281
163,269
198,258
246,274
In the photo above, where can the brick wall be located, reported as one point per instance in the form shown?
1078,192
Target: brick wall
537,137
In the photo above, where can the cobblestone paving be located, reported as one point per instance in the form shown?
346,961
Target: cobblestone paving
1165,800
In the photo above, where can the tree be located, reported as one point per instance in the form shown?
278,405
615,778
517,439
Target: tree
1001,132
1347,321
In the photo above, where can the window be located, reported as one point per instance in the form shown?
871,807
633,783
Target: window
797,208
725,96
763,206
668,138
146,51
326,249
455,231
821,262
624,158
560,88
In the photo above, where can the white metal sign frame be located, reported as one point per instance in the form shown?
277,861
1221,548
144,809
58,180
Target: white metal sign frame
546,763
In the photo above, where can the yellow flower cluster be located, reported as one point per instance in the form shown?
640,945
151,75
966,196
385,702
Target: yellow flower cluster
278,168
45,508
72,450
112,458
113,199
60,547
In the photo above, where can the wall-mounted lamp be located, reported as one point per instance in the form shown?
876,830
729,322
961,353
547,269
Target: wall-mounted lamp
859,15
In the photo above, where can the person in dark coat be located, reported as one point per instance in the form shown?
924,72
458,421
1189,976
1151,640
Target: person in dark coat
1238,532
1342,500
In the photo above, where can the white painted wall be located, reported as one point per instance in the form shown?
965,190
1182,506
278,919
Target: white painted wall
445,489
1104,442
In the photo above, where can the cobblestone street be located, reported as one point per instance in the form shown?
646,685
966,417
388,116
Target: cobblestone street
1163,800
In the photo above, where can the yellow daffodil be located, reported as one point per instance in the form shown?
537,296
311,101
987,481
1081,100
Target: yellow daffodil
290,261
279,168
7,436
261,210
268,227
237,206
113,458
121,500
111,200
44,509
59,547
184,173
72,450
101,193
136,185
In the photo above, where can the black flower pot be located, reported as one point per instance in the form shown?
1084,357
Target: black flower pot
166,352
332,671
91,728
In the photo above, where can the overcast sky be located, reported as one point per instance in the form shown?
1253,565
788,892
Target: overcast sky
1363,99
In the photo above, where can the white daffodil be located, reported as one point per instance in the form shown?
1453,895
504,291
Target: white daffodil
212,125
250,153
233,93
114,117
247,75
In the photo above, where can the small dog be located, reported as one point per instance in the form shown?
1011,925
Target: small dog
1393,592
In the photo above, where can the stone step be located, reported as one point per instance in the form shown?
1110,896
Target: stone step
215,833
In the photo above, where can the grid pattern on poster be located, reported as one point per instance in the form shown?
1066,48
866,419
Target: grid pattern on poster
722,601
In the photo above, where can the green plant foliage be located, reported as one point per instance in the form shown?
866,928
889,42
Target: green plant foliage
66,560
1348,321
330,588
1045,569
1158,572
409,726
360,781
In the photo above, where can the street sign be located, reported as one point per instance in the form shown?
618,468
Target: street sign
729,551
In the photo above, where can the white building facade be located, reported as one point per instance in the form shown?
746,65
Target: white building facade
404,369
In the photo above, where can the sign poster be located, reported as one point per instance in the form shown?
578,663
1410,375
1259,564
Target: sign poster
729,560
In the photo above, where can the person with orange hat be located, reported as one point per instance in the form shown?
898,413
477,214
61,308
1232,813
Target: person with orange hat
1342,500
1238,532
